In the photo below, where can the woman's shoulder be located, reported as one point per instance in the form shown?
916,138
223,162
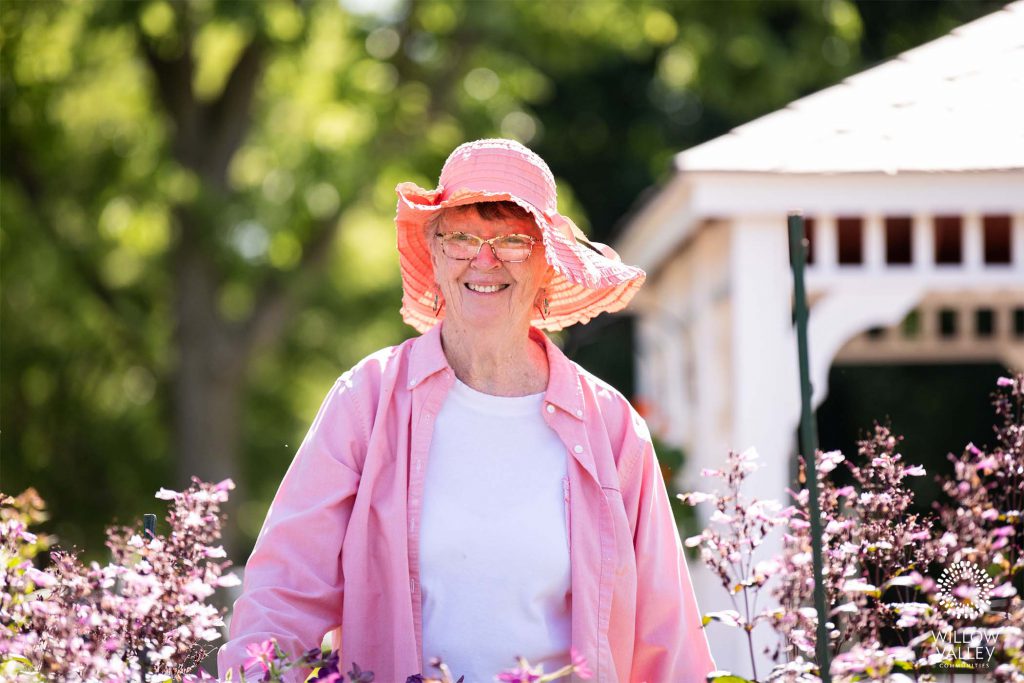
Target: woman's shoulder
355,397
378,369
602,392
603,400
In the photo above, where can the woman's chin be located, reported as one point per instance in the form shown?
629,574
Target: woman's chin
480,315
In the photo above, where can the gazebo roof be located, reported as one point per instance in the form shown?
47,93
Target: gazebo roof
954,104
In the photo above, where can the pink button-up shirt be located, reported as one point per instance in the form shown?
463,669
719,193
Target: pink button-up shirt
340,546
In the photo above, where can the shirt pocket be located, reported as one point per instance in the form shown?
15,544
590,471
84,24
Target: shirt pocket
568,523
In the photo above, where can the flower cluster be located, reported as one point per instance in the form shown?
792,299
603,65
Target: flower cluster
876,553
983,522
886,618
738,526
272,665
144,614
18,576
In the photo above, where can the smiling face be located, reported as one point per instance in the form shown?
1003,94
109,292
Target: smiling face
485,291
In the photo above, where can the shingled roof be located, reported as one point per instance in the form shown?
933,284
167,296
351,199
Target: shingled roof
954,104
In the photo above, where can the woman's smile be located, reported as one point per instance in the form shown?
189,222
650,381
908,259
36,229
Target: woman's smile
480,288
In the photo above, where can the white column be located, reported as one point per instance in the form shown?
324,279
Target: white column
874,242
677,401
974,246
645,361
764,364
923,242
826,244
1017,242
928,314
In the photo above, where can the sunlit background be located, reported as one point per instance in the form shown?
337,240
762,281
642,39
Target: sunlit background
197,198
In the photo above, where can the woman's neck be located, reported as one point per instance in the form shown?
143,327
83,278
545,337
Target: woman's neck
495,362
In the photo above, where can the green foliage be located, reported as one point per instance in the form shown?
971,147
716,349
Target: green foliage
114,218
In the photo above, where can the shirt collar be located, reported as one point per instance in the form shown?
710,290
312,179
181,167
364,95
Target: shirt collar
564,389
427,358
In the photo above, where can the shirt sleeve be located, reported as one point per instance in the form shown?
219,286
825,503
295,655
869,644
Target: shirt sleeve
293,583
670,641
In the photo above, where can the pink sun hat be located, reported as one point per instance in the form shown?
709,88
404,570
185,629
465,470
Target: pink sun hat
589,277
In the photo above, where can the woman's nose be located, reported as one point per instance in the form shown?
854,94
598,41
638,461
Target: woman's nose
485,259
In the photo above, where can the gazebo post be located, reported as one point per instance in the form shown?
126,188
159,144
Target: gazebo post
809,433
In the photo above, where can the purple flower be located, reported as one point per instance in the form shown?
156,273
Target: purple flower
356,675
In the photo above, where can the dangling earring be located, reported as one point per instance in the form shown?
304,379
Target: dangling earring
437,303
545,307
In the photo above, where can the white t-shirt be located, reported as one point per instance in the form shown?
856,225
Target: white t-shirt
494,548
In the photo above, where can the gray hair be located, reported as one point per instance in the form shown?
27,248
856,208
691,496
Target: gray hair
487,210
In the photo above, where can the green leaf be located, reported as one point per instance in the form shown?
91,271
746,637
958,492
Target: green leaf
726,677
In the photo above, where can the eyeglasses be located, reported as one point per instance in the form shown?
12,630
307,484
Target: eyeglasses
507,248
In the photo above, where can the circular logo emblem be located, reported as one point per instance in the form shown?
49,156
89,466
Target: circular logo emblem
964,590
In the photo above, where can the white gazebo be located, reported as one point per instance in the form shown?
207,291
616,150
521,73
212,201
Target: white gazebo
912,177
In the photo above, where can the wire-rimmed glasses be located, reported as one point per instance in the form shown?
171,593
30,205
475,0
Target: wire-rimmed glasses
463,246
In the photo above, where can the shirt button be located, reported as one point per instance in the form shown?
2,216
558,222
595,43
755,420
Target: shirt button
551,408
579,413
577,448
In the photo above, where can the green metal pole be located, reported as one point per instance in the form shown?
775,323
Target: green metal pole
149,533
809,434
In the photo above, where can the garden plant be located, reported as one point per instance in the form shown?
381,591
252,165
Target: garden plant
146,615
891,619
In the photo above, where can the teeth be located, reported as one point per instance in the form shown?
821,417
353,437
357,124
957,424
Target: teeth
486,289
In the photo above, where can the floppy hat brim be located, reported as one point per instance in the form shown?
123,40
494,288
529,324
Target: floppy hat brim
588,277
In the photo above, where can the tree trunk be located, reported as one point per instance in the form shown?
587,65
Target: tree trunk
208,382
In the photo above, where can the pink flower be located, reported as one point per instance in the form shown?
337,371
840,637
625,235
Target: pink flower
694,541
696,497
986,463
260,653
521,674
166,494
579,665
829,461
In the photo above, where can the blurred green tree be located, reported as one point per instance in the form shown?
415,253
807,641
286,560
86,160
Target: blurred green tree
196,196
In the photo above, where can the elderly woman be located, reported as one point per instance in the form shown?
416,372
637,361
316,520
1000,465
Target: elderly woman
472,494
